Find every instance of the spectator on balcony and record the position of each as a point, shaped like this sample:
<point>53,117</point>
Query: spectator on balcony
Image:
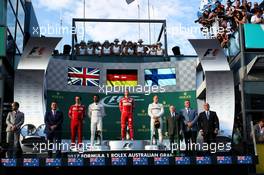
<point>206,19</point>
<point>255,8</point>
<point>106,49</point>
<point>249,6</point>
<point>160,51</point>
<point>140,50</point>
<point>223,39</point>
<point>257,17</point>
<point>123,47</point>
<point>98,49</point>
<point>241,17</point>
<point>77,49</point>
<point>130,49</point>
<point>83,48</point>
<point>220,9</point>
<point>116,48</point>
<point>153,51</point>
<point>90,47</point>
<point>229,9</point>
<point>238,5</point>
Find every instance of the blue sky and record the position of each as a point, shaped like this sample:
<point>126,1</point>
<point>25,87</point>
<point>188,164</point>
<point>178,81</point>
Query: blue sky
<point>180,16</point>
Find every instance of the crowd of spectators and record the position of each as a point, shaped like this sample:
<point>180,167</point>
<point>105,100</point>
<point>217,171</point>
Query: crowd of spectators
<point>117,48</point>
<point>228,17</point>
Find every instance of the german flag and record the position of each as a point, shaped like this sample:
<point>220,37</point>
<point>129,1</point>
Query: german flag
<point>122,77</point>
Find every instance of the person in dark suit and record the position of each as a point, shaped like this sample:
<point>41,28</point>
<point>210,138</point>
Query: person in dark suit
<point>190,118</point>
<point>208,124</point>
<point>53,122</point>
<point>174,126</point>
<point>259,131</point>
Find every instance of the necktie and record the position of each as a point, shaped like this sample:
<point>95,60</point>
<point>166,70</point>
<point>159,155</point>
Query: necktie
<point>207,115</point>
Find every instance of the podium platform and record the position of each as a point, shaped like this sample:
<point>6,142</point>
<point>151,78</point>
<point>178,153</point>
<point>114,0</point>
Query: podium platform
<point>117,145</point>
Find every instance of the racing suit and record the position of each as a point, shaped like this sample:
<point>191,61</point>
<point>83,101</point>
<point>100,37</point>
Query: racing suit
<point>96,113</point>
<point>126,106</point>
<point>155,111</point>
<point>76,114</point>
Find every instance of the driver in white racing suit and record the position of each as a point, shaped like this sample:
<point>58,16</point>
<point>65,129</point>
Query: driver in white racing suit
<point>155,111</point>
<point>96,112</point>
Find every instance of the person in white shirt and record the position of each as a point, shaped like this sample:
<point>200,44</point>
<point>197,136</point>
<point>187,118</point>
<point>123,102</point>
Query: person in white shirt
<point>106,49</point>
<point>98,49</point>
<point>83,49</point>
<point>256,18</point>
<point>140,49</point>
<point>155,111</point>
<point>116,48</point>
<point>159,51</point>
<point>153,51</point>
<point>96,112</point>
<point>90,48</point>
<point>130,49</point>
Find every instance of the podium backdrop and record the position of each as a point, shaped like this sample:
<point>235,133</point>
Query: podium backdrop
<point>111,122</point>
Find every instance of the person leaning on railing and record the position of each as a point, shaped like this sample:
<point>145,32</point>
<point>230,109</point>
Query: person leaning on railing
<point>257,17</point>
<point>116,48</point>
<point>90,47</point>
<point>83,48</point>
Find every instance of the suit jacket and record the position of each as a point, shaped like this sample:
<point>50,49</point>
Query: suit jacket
<point>174,124</point>
<point>208,126</point>
<point>51,119</point>
<point>189,117</point>
<point>258,134</point>
<point>14,118</point>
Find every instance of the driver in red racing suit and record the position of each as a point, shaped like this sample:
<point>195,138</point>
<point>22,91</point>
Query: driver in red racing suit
<point>126,106</point>
<point>76,114</point>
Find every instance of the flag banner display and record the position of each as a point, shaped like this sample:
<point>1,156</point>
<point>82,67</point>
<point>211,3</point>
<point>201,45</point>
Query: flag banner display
<point>75,162</point>
<point>224,159</point>
<point>182,160</point>
<point>9,162</point>
<point>203,160</point>
<point>57,75</point>
<point>97,161</point>
<point>140,161</point>
<point>83,76</point>
<point>53,162</point>
<point>31,162</point>
<point>122,78</point>
<point>160,77</point>
<point>119,161</point>
<point>111,122</point>
<point>244,160</point>
<point>161,160</point>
